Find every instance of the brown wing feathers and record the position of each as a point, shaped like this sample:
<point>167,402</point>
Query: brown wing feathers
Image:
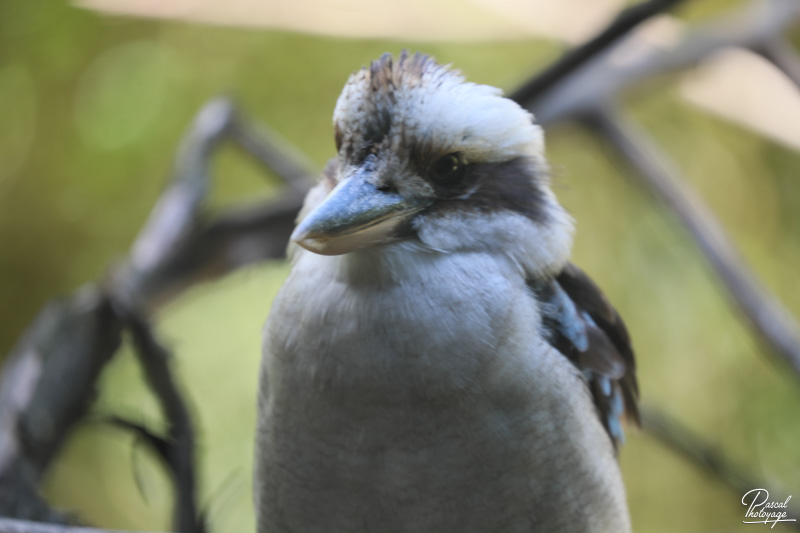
<point>584,326</point>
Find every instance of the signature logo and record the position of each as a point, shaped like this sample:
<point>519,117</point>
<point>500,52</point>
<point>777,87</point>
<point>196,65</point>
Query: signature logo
<point>760,510</point>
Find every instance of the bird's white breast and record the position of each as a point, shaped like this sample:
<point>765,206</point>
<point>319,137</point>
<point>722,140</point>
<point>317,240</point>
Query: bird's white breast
<point>420,396</point>
<point>422,323</point>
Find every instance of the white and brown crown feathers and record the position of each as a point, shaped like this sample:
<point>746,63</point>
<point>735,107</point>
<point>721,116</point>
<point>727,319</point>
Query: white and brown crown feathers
<point>415,103</point>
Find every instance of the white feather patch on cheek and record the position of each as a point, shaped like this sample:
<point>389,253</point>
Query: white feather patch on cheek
<point>537,248</point>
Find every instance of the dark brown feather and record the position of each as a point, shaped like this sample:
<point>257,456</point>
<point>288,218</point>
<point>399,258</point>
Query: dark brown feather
<point>583,326</point>
<point>513,185</point>
<point>588,296</point>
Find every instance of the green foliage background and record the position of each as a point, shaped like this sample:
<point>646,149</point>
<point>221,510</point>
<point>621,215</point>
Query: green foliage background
<point>91,111</point>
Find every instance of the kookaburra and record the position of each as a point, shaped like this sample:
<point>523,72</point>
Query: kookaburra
<point>433,363</point>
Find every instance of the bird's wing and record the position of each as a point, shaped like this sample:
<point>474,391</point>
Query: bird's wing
<point>582,325</point>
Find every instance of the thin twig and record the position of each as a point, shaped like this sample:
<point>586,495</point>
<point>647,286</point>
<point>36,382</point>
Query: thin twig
<point>680,439</point>
<point>180,454</point>
<point>654,171</point>
<point>692,447</point>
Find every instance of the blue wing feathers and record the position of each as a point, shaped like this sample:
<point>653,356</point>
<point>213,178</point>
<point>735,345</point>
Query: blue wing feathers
<point>583,326</point>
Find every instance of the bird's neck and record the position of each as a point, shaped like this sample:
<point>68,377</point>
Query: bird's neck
<point>384,266</point>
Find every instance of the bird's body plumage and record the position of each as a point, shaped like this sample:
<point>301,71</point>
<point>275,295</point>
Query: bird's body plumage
<point>433,377</point>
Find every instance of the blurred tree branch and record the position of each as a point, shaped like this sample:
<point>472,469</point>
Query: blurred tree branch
<point>178,446</point>
<point>595,84</point>
<point>181,246</point>
<point>656,173</point>
<point>177,248</point>
<point>691,447</point>
<point>587,93</point>
<point>8,525</point>
<point>578,57</point>
<point>75,337</point>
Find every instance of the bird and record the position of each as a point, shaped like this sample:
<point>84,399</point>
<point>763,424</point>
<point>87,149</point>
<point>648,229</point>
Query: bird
<point>434,362</point>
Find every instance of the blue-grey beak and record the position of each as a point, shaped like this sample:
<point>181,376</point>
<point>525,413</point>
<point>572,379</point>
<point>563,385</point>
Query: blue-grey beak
<point>355,215</point>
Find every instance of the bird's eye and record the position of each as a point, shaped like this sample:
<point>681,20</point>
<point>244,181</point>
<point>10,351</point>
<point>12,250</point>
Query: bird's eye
<point>448,168</point>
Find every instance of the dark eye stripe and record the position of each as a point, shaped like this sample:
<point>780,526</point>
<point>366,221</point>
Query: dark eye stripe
<point>508,186</point>
<point>337,137</point>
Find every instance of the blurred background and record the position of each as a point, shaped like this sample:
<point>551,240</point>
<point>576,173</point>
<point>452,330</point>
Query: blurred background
<point>93,102</point>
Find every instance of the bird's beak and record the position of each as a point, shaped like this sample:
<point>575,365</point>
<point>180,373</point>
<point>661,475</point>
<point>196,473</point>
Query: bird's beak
<point>355,215</point>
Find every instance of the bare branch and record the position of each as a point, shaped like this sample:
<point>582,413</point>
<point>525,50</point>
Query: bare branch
<point>235,239</point>
<point>694,449</point>
<point>580,56</point>
<point>274,153</point>
<point>74,337</point>
<point>8,525</point>
<point>598,82</point>
<point>680,439</point>
<point>655,172</point>
<point>180,451</point>
<point>179,246</point>
<point>586,93</point>
<point>178,210</point>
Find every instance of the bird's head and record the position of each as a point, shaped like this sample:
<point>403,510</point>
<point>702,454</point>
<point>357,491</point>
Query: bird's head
<point>424,155</point>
